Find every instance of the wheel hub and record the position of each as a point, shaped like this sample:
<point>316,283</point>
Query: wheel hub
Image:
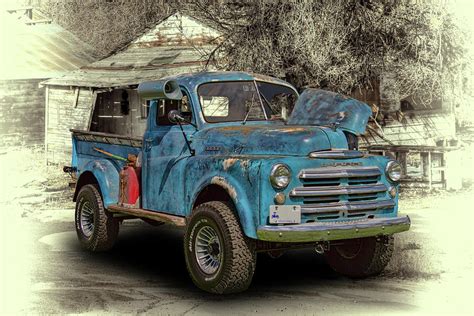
<point>87,219</point>
<point>208,250</point>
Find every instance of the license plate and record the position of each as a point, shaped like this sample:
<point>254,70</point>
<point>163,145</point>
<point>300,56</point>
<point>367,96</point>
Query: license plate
<point>285,214</point>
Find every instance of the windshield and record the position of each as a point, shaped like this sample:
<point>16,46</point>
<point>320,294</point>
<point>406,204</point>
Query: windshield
<point>245,101</point>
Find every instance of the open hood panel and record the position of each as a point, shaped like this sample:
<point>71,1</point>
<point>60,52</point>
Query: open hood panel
<point>326,108</point>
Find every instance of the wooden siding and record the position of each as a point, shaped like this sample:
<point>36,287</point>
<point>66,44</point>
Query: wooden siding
<point>417,128</point>
<point>178,44</point>
<point>21,112</point>
<point>176,30</point>
<point>65,110</point>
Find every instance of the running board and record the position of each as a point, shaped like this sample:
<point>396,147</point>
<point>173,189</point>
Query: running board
<point>157,216</point>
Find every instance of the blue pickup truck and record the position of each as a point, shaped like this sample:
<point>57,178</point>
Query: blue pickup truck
<point>244,164</point>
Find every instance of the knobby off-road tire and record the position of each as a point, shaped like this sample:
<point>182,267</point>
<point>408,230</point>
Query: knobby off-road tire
<point>96,228</point>
<point>360,258</point>
<point>215,224</point>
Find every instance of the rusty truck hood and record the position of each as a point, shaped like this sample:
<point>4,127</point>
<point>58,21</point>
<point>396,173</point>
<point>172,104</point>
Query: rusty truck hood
<point>325,108</point>
<point>266,139</point>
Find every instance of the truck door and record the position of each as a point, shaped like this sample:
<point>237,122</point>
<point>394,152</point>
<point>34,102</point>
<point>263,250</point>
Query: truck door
<point>164,156</point>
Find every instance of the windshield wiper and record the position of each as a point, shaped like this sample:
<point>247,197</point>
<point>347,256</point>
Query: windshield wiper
<point>271,108</point>
<point>248,111</point>
<point>251,104</point>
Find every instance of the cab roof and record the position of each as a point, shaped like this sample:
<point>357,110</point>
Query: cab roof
<point>193,80</point>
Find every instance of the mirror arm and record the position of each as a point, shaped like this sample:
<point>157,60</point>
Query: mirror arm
<point>191,151</point>
<point>190,123</point>
<point>175,117</point>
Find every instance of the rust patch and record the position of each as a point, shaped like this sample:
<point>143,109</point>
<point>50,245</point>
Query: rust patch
<point>244,130</point>
<point>288,130</point>
<point>229,162</point>
<point>223,183</point>
<point>244,164</point>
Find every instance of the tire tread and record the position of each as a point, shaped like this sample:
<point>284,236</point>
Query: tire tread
<point>105,228</point>
<point>237,275</point>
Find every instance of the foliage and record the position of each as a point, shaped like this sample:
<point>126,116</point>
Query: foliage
<point>340,45</point>
<point>106,24</point>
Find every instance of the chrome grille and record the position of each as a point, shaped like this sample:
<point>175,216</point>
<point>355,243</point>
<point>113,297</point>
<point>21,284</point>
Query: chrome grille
<point>337,172</point>
<point>333,192</point>
<point>337,190</point>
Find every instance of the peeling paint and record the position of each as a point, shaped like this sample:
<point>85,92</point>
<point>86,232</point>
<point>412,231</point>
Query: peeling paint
<point>228,163</point>
<point>244,164</point>
<point>289,129</point>
<point>243,130</point>
<point>223,183</point>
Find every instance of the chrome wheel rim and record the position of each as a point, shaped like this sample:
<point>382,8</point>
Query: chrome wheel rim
<point>208,250</point>
<point>87,219</point>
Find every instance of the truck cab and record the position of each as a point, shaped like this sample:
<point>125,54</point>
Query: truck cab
<point>244,164</point>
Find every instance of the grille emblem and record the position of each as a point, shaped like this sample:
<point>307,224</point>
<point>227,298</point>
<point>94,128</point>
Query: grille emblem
<point>342,164</point>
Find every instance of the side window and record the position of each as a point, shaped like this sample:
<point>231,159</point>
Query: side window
<point>164,106</point>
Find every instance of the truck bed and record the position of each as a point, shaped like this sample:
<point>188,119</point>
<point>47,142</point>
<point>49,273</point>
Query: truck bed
<point>106,138</point>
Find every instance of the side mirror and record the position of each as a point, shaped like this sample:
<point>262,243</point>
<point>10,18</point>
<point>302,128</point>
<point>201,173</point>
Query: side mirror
<point>174,116</point>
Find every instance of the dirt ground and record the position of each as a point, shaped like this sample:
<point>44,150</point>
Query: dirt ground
<point>43,270</point>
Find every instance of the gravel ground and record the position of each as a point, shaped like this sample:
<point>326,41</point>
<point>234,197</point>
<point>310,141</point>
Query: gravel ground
<point>44,271</point>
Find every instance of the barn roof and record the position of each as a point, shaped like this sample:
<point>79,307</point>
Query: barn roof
<point>37,48</point>
<point>175,45</point>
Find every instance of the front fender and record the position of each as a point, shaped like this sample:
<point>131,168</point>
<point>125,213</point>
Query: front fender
<point>108,178</point>
<point>248,216</point>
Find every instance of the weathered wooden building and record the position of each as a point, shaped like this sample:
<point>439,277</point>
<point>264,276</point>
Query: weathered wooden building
<point>418,135</point>
<point>32,49</point>
<point>102,96</point>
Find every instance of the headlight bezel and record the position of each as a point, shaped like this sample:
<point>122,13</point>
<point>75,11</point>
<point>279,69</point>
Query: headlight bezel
<point>389,169</point>
<point>272,178</point>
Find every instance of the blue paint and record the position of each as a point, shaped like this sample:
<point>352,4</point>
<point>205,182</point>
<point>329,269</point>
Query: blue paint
<point>236,157</point>
<point>325,108</point>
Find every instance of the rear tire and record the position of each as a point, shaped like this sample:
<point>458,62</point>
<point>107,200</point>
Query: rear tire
<point>219,258</point>
<point>96,228</point>
<point>362,257</point>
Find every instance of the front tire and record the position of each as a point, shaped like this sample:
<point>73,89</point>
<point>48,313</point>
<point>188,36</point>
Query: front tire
<point>219,258</point>
<point>362,257</point>
<point>96,228</point>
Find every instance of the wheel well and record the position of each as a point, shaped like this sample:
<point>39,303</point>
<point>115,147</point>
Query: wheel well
<point>213,192</point>
<point>84,179</point>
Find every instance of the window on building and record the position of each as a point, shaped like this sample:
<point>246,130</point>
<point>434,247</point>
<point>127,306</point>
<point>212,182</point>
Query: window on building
<point>144,109</point>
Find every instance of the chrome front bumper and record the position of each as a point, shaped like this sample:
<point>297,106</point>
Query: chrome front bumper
<point>325,231</point>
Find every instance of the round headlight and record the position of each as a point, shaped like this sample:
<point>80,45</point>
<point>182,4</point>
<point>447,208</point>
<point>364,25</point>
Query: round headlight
<point>280,176</point>
<point>393,171</point>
